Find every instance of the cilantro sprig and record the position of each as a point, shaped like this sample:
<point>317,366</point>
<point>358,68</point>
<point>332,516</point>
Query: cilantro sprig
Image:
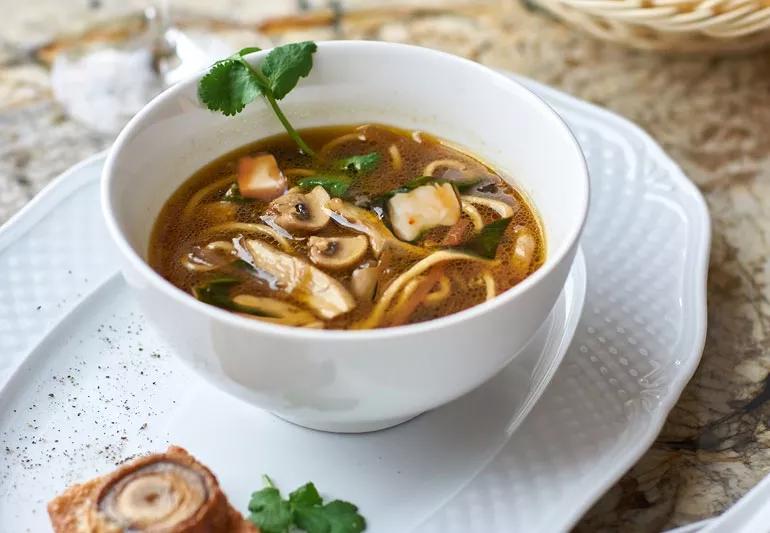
<point>304,509</point>
<point>233,83</point>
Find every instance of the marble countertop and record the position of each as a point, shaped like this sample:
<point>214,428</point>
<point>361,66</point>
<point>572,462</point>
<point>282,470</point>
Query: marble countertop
<point>710,114</point>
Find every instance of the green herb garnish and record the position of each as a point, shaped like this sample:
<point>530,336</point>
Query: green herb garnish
<point>217,292</point>
<point>359,164</point>
<point>485,243</point>
<point>233,194</point>
<point>304,509</point>
<point>335,184</point>
<point>232,83</point>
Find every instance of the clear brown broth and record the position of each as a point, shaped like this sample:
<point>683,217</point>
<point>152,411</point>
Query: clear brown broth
<point>175,235</point>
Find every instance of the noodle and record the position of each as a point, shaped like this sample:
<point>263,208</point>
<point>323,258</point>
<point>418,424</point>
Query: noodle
<point>417,136</point>
<point>222,246</point>
<point>247,227</point>
<point>440,294</point>
<point>449,163</point>
<point>473,214</point>
<point>489,281</point>
<point>395,157</point>
<point>408,291</point>
<point>408,305</point>
<point>198,197</point>
<point>331,145</point>
<point>501,208</point>
<point>418,268</point>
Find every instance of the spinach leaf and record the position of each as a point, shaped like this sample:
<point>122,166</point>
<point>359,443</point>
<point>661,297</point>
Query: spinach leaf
<point>335,184</point>
<point>485,243</point>
<point>359,164</point>
<point>217,293</point>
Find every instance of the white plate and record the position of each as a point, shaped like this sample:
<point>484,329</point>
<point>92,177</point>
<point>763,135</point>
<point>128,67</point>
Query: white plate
<point>638,342</point>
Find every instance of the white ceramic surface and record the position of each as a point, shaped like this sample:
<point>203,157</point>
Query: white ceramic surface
<point>601,411</point>
<point>353,381</point>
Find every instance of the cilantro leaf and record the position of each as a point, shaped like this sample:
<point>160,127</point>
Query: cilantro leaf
<point>233,83</point>
<point>269,511</point>
<point>285,65</point>
<point>248,50</point>
<point>335,185</point>
<point>334,517</point>
<point>304,510</point>
<point>228,87</point>
<point>359,164</point>
<point>344,518</point>
<point>311,519</point>
<point>306,495</point>
<point>486,242</point>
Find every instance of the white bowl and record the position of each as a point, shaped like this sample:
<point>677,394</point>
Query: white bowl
<point>353,380</point>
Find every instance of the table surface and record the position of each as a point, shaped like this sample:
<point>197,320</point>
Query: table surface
<point>711,115</point>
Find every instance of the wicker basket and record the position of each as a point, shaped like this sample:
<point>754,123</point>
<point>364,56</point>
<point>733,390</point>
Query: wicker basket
<point>713,26</point>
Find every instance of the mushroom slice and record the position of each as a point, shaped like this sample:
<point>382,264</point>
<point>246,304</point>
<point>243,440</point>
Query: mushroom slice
<point>307,284</point>
<point>364,221</point>
<point>423,208</point>
<point>259,177</point>
<point>337,253</point>
<point>304,212</point>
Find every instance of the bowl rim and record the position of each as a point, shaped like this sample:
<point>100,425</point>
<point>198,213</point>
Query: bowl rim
<point>159,283</point>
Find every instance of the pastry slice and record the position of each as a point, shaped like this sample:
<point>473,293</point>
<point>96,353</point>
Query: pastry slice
<point>161,493</point>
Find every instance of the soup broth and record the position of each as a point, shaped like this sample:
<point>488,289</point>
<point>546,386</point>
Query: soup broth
<point>383,227</point>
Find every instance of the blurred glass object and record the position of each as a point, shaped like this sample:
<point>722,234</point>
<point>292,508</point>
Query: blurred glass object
<point>104,84</point>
